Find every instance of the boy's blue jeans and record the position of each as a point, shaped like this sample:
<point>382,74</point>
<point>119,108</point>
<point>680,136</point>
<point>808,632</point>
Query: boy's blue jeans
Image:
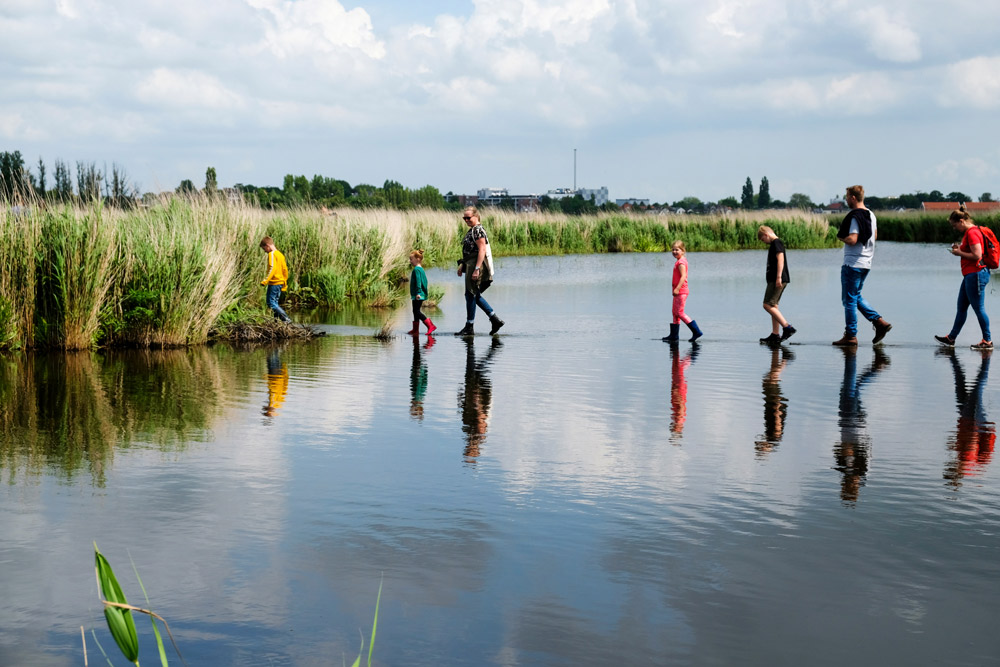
<point>273,294</point>
<point>851,282</point>
<point>972,293</point>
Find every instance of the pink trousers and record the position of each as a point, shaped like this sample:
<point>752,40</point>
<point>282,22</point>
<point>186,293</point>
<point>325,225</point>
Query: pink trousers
<point>678,310</point>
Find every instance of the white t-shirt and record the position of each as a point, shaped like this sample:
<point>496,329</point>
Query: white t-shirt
<point>859,256</point>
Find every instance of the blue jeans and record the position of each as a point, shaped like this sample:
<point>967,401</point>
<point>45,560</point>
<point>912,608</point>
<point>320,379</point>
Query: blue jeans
<point>851,282</point>
<point>972,293</point>
<point>473,300</point>
<point>273,294</point>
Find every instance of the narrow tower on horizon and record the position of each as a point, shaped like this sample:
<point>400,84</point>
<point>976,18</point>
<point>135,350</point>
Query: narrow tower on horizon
<point>574,170</point>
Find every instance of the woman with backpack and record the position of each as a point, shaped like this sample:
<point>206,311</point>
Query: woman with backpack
<point>975,276</point>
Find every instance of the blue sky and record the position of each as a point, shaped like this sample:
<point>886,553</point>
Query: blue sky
<point>662,99</point>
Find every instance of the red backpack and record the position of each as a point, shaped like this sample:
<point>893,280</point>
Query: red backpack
<point>991,248</point>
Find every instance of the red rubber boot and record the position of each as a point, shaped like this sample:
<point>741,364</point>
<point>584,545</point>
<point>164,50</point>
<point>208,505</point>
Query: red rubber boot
<point>430,326</point>
<point>415,330</point>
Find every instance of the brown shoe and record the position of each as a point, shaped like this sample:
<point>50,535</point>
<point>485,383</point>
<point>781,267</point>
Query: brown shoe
<point>881,329</point>
<point>847,341</point>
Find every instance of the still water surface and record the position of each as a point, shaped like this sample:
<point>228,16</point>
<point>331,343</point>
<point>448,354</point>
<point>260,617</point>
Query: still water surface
<point>573,492</point>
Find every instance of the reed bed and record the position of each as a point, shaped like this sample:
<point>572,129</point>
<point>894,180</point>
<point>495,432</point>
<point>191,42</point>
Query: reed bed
<point>189,268</point>
<point>921,227</point>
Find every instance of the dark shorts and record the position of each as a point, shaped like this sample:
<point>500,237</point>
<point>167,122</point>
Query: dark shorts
<point>772,295</point>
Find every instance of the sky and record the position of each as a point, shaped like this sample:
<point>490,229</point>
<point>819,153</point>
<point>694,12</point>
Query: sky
<point>660,99</point>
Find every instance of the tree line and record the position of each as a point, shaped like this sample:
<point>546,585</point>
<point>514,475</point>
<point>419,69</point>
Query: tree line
<point>20,184</point>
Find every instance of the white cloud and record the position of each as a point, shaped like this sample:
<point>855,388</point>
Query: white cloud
<point>974,82</point>
<point>317,26</point>
<point>890,38</point>
<point>14,127</point>
<point>187,90</point>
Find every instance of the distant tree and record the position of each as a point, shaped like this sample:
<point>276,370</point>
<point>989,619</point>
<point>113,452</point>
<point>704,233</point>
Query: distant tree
<point>41,178</point>
<point>64,182</point>
<point>186,187</point>
<point>875,203</point>
<point>777,203</point>
<point>958,196</point>
<point>690,204</point>
<point>729,202</point>
<point>746,199</point>
<point>609,207</point>
<point>88,181</point>
<point>764,196</point>
<point>986,196</point>
<point>909,201</point>
<point>14,181</point>
<point>211,182</point>
<point>799,200</point>
<point>935,196</point>
<point>119,191</point>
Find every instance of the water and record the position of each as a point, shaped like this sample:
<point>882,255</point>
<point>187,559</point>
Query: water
<point>573,492</point>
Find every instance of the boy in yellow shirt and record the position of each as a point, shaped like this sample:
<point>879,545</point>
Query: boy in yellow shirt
<point>277,277</point>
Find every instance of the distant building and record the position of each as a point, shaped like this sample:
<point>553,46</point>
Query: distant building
<point>621,203</point>
<point>501,196</point>
<point>970,206</point>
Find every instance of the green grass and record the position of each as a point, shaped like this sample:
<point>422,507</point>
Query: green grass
<point>186,270</point>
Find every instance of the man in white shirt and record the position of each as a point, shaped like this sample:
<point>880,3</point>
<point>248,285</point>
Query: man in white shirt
<point>858,231</point>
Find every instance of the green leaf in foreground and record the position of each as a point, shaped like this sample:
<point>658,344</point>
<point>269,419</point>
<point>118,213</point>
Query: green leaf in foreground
<point>120,621</point>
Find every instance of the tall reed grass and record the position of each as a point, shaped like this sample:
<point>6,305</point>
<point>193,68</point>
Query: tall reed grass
<point>165,276</point>
<point>921,227</point>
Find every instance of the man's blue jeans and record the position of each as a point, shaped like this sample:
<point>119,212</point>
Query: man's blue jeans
<point>972,293</point>
<point>851,282</point>
<point>273,294</point>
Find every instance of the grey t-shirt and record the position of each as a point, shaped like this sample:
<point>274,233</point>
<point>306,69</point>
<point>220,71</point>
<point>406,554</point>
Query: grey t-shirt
<point>859,256</point>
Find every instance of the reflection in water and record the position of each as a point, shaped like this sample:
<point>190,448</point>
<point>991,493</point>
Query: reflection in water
<point>70,411</point>
<point>475,398</point>
<point>775,405</point>
<point>851,453</point>
<point>418,378</point>
<point>277,384</point>
<point>678,389</point>
<point>974,437</point>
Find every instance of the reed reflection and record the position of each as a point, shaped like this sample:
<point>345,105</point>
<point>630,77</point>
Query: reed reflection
<point>852,452</point>
<point>678,389</point>
<point>775,405</point>
<point>277,384</point>
<point>69,412</point>
<point>475,398</point>
<point>418,378</point>
<point>974,436</point>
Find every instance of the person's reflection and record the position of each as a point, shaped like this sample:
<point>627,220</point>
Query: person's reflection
<point>475,398</point>
<point>418,378</point>
<point>678,389</point>
<point>974,437</point>
<point>775,405</point>
<point>277,384</point>
<point>851,453</point>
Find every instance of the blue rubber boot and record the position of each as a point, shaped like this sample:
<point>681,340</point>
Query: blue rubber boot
<point>675,330</point>
<point>696,332</point>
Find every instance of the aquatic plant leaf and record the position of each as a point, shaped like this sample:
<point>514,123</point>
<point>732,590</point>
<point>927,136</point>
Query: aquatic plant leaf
<point>152,619</point>
<point>371,642</point>
<point>120,621</point>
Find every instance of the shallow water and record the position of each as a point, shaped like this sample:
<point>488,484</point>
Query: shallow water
<point>573,492</point>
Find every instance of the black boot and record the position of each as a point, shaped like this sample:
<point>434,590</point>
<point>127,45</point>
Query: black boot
<point>675,332</point>
<point>497,323</point>
<point>696,332</point>
<point>466,330</point>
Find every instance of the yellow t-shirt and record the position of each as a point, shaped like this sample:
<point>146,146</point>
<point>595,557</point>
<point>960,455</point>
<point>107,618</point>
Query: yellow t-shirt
<point>277,270</point>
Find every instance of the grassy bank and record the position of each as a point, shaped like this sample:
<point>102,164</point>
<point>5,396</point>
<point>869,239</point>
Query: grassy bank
<point>919,227</point>
<point>185,270</point>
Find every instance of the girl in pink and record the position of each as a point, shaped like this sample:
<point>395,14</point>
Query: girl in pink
<point>680,283</point>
